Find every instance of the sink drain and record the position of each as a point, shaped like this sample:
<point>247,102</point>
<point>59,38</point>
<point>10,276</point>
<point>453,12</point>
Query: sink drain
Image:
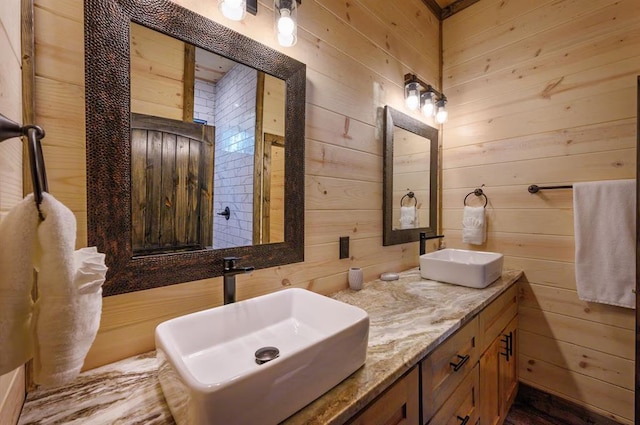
<point>266,354</point>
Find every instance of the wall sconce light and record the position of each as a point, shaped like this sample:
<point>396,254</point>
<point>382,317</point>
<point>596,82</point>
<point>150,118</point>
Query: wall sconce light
<point>418,94</point>
<point>285,16</point>
<point>234,10</point>
<point>286,22</point>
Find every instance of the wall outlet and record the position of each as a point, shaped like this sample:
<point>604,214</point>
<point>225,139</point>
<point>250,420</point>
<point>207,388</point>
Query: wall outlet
<point>344,247</point>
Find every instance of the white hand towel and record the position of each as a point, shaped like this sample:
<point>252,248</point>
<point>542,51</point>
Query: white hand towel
<point>67,312</point>
<point>17,245</point>
<point>474,225</point>
<point>407,217</point>
<point>605,237</point>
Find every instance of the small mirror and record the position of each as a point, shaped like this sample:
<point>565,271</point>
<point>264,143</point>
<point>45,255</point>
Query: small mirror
<point>410,178</point>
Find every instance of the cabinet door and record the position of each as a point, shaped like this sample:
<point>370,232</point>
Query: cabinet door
<point>399,405</point>
<point>508,367</point>
<point>498,376</point>
<point>490,406</point>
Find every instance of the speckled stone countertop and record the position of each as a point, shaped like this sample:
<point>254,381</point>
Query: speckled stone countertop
<point>409,318</point>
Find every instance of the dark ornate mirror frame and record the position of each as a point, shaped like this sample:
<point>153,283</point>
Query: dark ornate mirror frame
<point>395,118</point>
<point>107,80</point>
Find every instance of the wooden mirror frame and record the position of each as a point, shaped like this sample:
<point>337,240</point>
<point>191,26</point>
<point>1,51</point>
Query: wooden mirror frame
<point>107,64</point>
<point>395,118</point>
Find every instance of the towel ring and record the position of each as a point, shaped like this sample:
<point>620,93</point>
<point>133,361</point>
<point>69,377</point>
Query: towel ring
<point>411,195</point>
<point>477,192</point>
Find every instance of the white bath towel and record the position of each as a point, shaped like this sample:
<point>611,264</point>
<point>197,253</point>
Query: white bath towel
<point>605,237</point>
<point>17,245</point>
<point>407,217</point>
<point>67,312</point>
<point>474,225</point>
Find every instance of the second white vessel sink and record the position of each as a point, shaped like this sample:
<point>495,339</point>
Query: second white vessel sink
<point>475,269</point>
<point>212,369</point>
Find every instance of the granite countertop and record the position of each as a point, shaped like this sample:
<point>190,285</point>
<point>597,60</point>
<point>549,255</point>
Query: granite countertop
<point>409,317</point>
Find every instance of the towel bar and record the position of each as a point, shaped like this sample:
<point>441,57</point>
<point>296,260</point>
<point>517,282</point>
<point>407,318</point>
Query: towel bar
<point>10,129</point>
<point>535,188</point>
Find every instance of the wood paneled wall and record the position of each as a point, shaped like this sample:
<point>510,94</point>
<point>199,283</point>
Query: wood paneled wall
<point>356,55</point>
<point>545,92</point>
<point>12,385</point>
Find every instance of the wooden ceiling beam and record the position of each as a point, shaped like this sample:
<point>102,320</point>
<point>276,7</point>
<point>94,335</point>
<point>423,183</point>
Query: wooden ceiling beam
<point>453,8</point>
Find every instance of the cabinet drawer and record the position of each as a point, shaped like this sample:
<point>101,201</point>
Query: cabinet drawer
<point>462,407</point>
<point>447,366</point>
<point>397,406</point>
<point>496,316</point>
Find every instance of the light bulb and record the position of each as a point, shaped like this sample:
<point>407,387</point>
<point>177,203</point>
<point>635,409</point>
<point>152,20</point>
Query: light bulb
<point>412,95</point>
<point>286,25</point>
<point>234,10</point>
<point>441,115</point>
<point>286,40</point>
<point>428,108</point>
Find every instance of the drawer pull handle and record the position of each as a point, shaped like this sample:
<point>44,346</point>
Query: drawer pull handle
<point>464,420</point>
<point>462,360</point>
<point>508,342</point>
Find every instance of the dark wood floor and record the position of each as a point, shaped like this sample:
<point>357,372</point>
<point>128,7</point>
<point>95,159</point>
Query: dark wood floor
<point>535,407</point>
<point>524,415</point>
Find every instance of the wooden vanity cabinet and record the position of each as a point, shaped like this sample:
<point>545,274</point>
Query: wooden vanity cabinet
<point>399,405</point>
<point>469,379</point>
<point>498,363</point>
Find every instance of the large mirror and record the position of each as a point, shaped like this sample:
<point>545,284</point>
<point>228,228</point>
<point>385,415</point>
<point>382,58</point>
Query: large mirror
<point>410,178</point>
<point>191,130</point>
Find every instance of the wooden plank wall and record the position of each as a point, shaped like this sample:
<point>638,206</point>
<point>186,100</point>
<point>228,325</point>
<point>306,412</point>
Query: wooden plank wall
<point>356,55</point>
<point>545,92</point>
<point>12,384</point>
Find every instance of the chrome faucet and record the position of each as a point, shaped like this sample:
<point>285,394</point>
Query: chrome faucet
<point>229,276</point>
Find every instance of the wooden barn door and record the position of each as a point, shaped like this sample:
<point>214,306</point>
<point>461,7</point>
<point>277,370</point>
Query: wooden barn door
<point>172,185</point>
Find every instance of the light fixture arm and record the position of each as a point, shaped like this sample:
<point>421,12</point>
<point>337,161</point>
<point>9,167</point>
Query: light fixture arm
<point>252,6</point>
<point>412,78</point>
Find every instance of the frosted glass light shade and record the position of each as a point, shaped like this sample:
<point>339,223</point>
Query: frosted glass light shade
<point>234,10</point>
<point>412,96</point>
<point>286,22</point>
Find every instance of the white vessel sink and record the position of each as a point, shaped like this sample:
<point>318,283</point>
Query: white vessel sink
<point>475,269</point>
<point>209,373</point>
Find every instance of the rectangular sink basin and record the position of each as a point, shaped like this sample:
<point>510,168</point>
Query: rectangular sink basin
<point>475,269</point>
<point>208,369</point>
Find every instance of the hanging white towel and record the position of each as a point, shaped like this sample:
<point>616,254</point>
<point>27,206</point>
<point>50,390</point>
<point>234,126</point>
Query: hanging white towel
<point>17,245</point>
<point>605,237</point>
<point>67,312</point>
<point>474,225</point>
<point>407,217</point>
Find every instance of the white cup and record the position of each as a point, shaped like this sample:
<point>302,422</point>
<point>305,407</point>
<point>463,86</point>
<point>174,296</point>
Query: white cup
<point>355,278</point>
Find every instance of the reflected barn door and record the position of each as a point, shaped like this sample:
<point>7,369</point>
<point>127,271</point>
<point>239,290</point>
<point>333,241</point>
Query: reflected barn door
<point>172,185</point>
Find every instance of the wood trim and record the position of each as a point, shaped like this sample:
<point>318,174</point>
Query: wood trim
<point>189,82</point>
<point>443,13</point>
<point>13,399</point>
<point>455,7</point>
<point>257,162</point>
<point>27,42</point>
<point>433,7</point>
<point>637,391</point>
<point>555,409</point>
<point>28,81</point>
